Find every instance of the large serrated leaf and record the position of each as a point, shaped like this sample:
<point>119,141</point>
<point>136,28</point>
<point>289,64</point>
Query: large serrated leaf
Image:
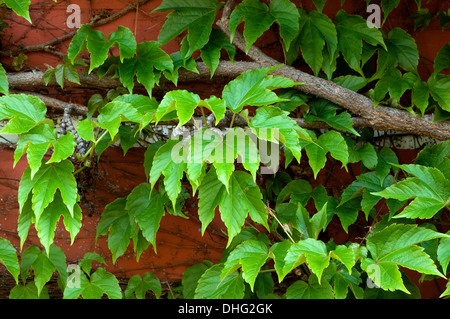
<point>394,246</point>
<point>429,188</point>
<point>44,184</point>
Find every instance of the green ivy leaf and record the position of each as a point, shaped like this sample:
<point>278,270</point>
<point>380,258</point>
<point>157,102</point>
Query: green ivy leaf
<point>43,270</point>
<point>116,219</point>
<point>443,253</point>
<point>62,72</point>
<point>312,289</point>
<point>259,17</point>
<point>147,65</point>
<point>114,113</point>
<point>8,258</point>
<point>196,16</point>
<point>124,39</point>
<point>351,31</point>
<point>254,88</point>
<point>190,279</point>
<point>323,110</point>
<point>139,285</point>
<point>100,283</point>
<point>436,155</point>
<point>287,16</point>
<point>440,91</point>
<point>331,142</point>
<point>20,7</point>
<point>23,112</point>
<point>94,40</point>
<point>4,84</point>
<point>316,30</point>
<point>28,291</point>
<point>429,188</point>
<point>251,255</point>
<point>298,191</point>
<point>242,198</point>
<point>36,143</point>
<point>313,251</point>
<point>46,225</point>
<point>442,60</point>
<point>212,286</point>
<point>181,101</point>
<point>366,185</point>
<point>257,20</point>
<point>44,184</point>
<point>388,6</point>
<point>215,105</point>
<point>162,158</point>
<point>278,253</point>
<point>270,121</point>
<point>147,208</point>
<point>345,255</point>
<point>401,50</point>
<point>210,53</point>
<point>396,245</point>
<point>210,194</point>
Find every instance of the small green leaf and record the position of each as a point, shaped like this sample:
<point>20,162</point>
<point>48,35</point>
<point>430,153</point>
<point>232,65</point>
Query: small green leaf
<point>190,279</point>
<point>139,285</point>
<point>46,181</point>
<point>147,208</point>
<point>8,258</point>
<point>313,251</point>
<point>4,84</point>
<point>23,112</point>
<point>124,39</point>
<point>210,53</point>
<point>443,253</point>
<point>396,245</point>
<point>251,256</point>
<point>254,88</point>
<point>345,255</point>
<point>181,101</point>
<point>440,91</point>
<point>116,219</point>
<point>316,31</point>
<point>20,7</point>
<point>114,113</point>
<point>29,291</point>
<point>351,31</point>
<point>212,286</point>
<point>257,20</point>
<point>196,16</point>
<point>102,282</point>
<point>311,290</point>
<point>442,60</point>
<point>429,188</point>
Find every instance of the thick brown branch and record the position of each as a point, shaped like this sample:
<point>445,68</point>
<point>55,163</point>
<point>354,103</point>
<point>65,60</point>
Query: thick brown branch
<point>380,118</point>
<point>45,46</point>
